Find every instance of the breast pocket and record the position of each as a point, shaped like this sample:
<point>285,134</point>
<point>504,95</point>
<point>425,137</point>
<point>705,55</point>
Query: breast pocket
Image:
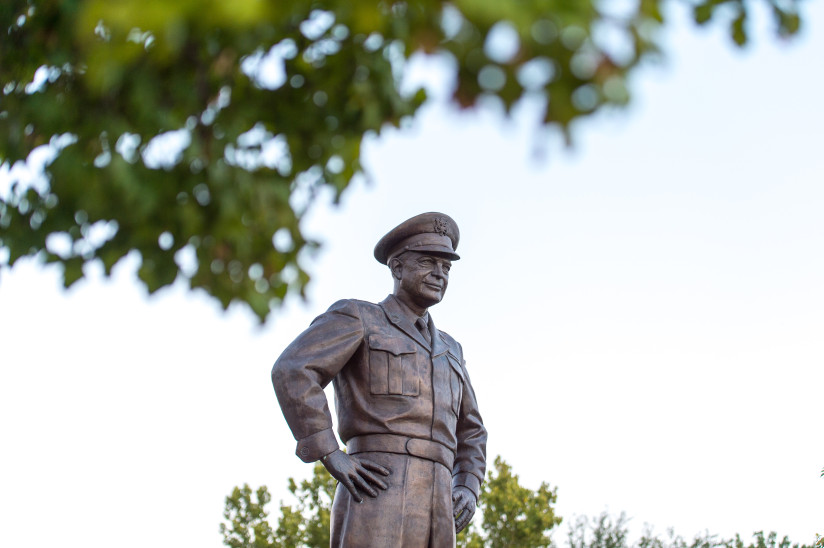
<point>393,366</point>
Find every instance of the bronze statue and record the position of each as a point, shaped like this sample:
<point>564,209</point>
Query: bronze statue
<point>415,441</point>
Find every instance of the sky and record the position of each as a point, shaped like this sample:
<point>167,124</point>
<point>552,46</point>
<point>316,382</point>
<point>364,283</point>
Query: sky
<point>641,317</point>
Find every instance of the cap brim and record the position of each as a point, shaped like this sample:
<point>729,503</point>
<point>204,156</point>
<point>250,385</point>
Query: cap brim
<point>438,250</point>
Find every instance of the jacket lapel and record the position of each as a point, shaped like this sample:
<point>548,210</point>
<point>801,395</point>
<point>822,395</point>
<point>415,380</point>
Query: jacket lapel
<point>392,309</point>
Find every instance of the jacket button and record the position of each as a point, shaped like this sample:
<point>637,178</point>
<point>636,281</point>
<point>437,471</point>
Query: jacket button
<point>304,451</point>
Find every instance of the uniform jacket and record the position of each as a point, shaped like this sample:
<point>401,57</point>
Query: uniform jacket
<point>387,380</point>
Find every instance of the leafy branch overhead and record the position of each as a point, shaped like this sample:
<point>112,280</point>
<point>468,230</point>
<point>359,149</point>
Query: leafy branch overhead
<point>199,133</point>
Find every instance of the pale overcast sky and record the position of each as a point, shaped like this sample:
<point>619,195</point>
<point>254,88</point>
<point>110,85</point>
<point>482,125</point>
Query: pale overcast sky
<point>641,316</point>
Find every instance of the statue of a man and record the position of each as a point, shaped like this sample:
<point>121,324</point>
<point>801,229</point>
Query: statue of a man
<point>415,441</point>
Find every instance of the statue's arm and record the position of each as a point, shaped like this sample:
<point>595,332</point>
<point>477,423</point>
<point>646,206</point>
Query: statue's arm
<point>470,460</point>
<point>306,367</point>
<point>299,376</point>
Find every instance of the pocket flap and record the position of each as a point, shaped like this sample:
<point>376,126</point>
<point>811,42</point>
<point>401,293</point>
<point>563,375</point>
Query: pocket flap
<point>393,345</point>
<point>456,365</point>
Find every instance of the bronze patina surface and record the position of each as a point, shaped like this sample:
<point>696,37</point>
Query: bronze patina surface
<point>415,441</point>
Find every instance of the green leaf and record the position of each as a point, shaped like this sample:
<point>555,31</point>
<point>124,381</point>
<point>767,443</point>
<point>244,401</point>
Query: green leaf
<point>702,13</point>
<point>72,271</point>
<point>737,29</point>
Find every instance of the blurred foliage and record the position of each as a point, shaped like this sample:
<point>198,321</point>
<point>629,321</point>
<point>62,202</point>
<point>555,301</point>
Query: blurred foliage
<point>248,525</point>
<point>607,532</point>
<point>303,526</point>
<point>511,514</point>
<point>760,540</point>
<point>508,515</point>
<point>307,524</point>
<point>198,133</point>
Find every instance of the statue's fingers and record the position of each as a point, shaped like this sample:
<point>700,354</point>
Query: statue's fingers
<point>351,488</point>
<point>459,507</point>
<point>463,520</point>
<point>361,484</point>
<point>459,524</point>
<point>372,478</point>
<point>375,467</point>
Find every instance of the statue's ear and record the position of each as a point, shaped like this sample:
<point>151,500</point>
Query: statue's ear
<point>395,266</point>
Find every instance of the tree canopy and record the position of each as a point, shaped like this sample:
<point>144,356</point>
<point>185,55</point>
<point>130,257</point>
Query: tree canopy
<point>512,514</point>
<point>198,134</point>
<point>305,525</point>
<point>509,514</point>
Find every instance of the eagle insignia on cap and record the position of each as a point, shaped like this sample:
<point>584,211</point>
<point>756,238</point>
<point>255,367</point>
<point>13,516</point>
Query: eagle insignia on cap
<point>441,226</point>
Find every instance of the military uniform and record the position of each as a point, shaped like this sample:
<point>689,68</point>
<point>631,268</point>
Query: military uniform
<point>403,400</point>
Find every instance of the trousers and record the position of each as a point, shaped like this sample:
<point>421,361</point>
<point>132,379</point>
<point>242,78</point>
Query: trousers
<point>415,511</point>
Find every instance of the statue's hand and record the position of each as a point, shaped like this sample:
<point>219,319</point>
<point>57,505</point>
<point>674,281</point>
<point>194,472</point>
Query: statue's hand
<point>355,473</point>
<point>463,506</point>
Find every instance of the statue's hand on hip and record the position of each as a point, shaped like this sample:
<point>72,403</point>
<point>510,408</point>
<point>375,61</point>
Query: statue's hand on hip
<point>463,506</point>
<point>358,475</point>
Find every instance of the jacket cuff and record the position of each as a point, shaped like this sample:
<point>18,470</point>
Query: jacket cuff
<point>313,447</point>
<point>470,481</point>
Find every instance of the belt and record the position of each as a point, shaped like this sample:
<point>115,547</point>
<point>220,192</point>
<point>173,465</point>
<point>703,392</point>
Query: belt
<point>403,445</point>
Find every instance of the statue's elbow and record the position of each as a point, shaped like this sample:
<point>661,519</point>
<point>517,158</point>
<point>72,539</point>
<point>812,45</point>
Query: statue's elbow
<point>279,374</point>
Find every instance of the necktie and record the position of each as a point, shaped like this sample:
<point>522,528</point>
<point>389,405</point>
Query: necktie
<point>423,327</point>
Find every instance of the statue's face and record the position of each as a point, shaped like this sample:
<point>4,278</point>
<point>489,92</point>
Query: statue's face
<point>422,278</point>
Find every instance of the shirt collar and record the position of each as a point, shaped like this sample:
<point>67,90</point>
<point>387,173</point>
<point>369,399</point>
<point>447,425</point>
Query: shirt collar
<point>408,314</point>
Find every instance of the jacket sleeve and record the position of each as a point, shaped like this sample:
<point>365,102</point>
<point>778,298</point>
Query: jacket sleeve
<point>306,367</point>
<point>470,459</point>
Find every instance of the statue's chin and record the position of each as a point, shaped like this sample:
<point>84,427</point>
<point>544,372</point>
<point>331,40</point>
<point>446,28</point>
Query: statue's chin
<point>427,301</point>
